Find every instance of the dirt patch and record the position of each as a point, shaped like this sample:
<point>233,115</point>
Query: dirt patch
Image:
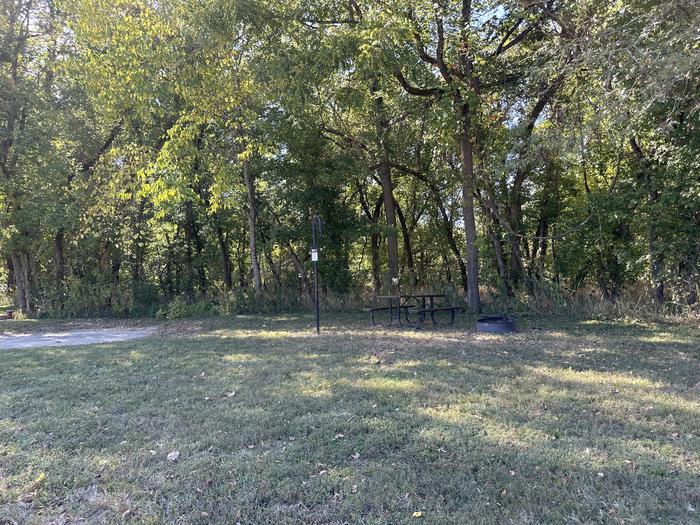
<point>73,337</point>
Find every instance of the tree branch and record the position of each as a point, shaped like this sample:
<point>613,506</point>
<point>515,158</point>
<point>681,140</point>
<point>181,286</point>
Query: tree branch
<point>507,43</point>
<point>422,53</point>
<point>87,164</point>
<point>352,141</point>
<point>440,52</point>
<point>542,102</point>
<point>421,92</point>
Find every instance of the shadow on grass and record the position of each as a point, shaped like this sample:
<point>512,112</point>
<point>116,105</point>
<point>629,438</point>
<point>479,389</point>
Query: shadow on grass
<point>360,425</point>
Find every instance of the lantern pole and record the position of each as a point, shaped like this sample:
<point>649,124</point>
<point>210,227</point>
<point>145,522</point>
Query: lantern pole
<point>316,230</point>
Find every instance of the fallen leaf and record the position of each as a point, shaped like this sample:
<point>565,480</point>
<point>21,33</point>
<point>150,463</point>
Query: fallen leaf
<point>418,514</point>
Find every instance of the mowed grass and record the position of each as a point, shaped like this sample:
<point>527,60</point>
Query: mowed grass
<point>565,422</point>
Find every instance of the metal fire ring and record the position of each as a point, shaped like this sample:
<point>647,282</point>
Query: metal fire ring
<point>496,324</point>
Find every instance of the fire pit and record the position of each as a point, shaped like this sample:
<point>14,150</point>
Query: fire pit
<point>496,324</point>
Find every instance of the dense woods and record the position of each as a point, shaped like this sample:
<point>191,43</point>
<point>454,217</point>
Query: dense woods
<point>168,155</point>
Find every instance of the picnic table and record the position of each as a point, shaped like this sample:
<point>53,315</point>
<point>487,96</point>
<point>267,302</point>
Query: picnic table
<point>420,304</point>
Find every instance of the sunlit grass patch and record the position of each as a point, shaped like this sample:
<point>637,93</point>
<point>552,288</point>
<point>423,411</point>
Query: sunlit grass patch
<point>360,425</point>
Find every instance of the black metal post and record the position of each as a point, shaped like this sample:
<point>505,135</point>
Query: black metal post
<point>316,230</point>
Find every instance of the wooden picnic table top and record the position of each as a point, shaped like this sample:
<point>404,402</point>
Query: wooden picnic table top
<point>410,295</point>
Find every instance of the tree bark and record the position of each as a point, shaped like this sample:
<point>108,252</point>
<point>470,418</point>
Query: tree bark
<point>407,248</point>
<point>466,146</point>
<point>249,180</point>
<point>139,238</point>
<point>225,257</point>
<point>273,268</point>
<point>656,257</point>
<point>22,274</point>
<point>467,171</point>
<point>193,238</point>
<point>447,225</point>
<point>373,217</point>
<point>516,262</point>
<point>391,237</point>
<point>384,169</point>
<point>301,272</point>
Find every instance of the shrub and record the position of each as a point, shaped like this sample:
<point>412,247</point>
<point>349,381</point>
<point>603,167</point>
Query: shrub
<point>180,309</point>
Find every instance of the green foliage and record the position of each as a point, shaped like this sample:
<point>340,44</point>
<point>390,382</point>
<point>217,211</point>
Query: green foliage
<point>180,309</point>
<point>127,126</point>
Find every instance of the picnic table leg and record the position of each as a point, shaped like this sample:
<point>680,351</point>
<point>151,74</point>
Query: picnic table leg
<point>432,314</point>
<point>406,309</point>
<point>405,312</point>
<point>398,310</point>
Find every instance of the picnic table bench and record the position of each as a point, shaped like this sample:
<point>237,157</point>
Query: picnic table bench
<point>421,304</point>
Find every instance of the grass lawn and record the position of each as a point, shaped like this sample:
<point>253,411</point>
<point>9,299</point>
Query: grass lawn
<point>565,422</point>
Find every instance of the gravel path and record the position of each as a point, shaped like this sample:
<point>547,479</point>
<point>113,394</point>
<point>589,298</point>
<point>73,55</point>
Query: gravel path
<point>73,337</point>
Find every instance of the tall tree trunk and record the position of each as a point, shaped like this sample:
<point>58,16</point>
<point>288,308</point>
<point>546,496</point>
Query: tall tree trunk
<point>375,241</point>
<point>516,262</point>
<point>656,257</point>
<point>376,267</point>
<point>10,274</point>
<point>273,268</point>
<point>490,209</point>
<point>467,169</point>
<point>249,180</point>
<point>115,269</point>
<point>407,248</point>
<point>500,259</point>
<point>301,272</point>
<point>391,237</point>
<point>168,284</point>
<point>466,147</point>
<point>447,225</point>
<point>194,262</point>
<point>225,256</point>
<point>139,250</point>
<point>22,274</point>
<point>374,249</point>
<point>382,128</point>
<point>240,255</point>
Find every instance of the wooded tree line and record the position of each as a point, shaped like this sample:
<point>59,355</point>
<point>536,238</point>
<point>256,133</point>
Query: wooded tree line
<point>176,150</point>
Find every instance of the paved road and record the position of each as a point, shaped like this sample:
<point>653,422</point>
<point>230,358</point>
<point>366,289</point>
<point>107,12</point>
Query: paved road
<point>73,337</point>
